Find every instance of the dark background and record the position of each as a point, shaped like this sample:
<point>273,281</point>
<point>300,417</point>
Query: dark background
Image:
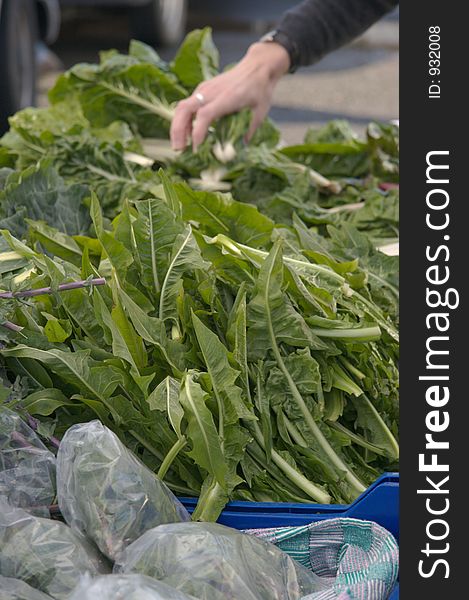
<point>431,125</point>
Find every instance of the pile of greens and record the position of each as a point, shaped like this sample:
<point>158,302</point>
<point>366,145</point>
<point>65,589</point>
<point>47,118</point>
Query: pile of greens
<point>244,343</point>
<point>100,132</point>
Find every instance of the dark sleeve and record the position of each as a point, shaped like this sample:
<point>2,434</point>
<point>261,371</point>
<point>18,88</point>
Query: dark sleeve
<point>316,27</point>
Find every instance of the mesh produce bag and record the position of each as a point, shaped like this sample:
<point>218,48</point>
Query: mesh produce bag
<point>15,589</point>
<point>27,468</point>
<point>46,554</point>
<point>105,492</point>
<point>360,559</point>
<point>125,587</point>
<point>214,562</point>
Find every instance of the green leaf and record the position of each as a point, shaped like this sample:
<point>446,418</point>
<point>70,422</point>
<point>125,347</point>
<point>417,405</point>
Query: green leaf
<point>156,230</point>
<point>57,330</point>
<point>165,398</point>
<point>152,330</point>
<point>45,402</point>
<point>32,370</point>
<point>54,241</point>
<point>125,343</point>
<point>334,403</point>
<point>119,256</point>
<point>76,368</point>
<point>41,194</point>
<point>146,54</point>
<point>220,213</point>
<point>229,269</point>
<point>270,312</point>
<point>76,303</point>
<point>122,88</point>
<point>237,336</point>
<point>197,58</point>
<point>9,260</point>
<point>185,257</point>
<point>231,406</point>
<point>133,342</point>
<point>332,159</point>
<point>206,444</point>
<point>376,430</point>
<point>172,199</point>
<point>305,372</point>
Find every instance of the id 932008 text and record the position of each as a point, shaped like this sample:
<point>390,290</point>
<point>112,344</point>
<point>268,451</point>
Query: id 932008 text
<point>434,62</point>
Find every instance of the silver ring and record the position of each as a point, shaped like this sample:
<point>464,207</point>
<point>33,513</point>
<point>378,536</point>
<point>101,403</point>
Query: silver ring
<point>200,98</point>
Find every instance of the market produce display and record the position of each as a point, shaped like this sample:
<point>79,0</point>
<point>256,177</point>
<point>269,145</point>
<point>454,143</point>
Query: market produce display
<point>227,313</point>
<point>213,562</point>
<point>105,492</point>
<point>43,553</point>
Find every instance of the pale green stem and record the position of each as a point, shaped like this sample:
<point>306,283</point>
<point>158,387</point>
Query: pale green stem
<point>297,478</point>
<point>169,458</point>
<point>363,334</point>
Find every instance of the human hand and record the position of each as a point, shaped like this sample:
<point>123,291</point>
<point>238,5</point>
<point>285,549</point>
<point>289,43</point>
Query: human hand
<point>249,84</point>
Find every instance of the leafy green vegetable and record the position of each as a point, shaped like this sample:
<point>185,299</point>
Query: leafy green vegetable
<point>245,342</point>
<point>197,58</point>
<point>122,88</point>
<point>43,195</point>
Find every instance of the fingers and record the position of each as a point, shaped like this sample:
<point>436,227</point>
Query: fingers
<point>181,124</point>
<point>193,117</point>
<point>203,119</point>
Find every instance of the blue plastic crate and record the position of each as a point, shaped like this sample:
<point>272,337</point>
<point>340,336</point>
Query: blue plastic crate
<point>379,503</point>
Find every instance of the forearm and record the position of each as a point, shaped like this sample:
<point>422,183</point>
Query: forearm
<point>320,26</point>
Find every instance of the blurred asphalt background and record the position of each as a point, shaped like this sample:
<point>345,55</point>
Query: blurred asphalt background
<point>358,82</point>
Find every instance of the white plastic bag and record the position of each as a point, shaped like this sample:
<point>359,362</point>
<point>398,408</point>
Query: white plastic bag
<point>105,492</point>
<point>15,589</point>
<point>214,562</point>
<point>125,587</point>
<point>27,467</point>
<point>46,554</point>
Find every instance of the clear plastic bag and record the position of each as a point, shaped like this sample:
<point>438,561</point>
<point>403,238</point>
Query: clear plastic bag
<point>105,492</point>
<point>27,467</point>
<point>15,589</point>
<point>126,587</point>
<point>214,562</point>
<point>46,554</point>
